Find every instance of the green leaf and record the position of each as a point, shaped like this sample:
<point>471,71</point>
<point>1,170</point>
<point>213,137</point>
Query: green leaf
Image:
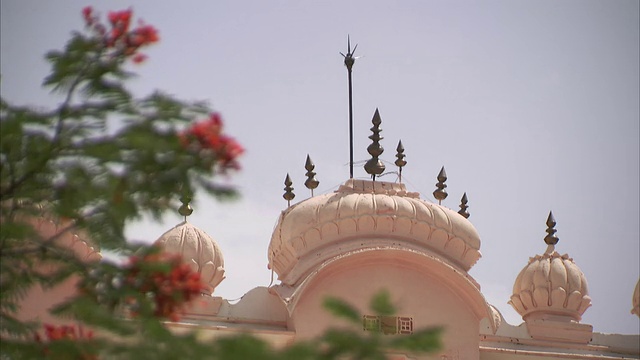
<point>15,327</point>
<point>381,304</point>
<point>15,230</point>
<point>92,314</point>
<point>342,310</point>
<point>243,347</point>
<point>424,340</point>
<point>298,351</point>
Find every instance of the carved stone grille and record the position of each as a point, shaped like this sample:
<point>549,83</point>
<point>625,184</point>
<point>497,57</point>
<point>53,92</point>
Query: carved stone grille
<point>388,325</point>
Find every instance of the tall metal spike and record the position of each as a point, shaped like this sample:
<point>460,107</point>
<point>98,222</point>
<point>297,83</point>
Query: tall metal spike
<point>311,182</point>
<point>374,166</point>
<point>551,238</point>
<point>400,161</point>
<point>349,60</point>
<point>463,206</point>
<point>288,190</point>
<point>440,193</point>
<point>185,209</point>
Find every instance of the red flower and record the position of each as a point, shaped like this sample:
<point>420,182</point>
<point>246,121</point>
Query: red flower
<point>123,42</point>
<point>120,18</point>
<point>138,58</point>
<point>135,40</point>
<point>87,13</point>
<point>207,135</point>
<point>148,33</point>
<point>170,289</point>
<point>66,332</point>
<point>53,332</point>
<point>215,119</point>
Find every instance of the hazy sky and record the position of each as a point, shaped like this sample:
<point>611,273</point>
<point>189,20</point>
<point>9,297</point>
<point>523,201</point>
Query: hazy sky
<point>530,106</point>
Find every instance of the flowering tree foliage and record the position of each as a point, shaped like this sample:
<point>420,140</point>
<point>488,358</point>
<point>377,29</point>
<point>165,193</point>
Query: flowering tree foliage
<point>205,137</point>
<point>55,336</point>
<point>102,158</point>
<point>159,284</point>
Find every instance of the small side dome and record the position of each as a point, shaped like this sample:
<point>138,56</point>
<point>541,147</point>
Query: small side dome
<point>551,284</point>
<point>198,250</point>
<point>636,300</point>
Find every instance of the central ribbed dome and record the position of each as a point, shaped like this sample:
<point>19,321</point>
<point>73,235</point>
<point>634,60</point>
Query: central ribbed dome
<point>365,214</point>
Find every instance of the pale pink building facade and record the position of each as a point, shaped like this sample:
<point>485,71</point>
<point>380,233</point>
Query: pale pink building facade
<point>371,235</point>
<point>368,236</point>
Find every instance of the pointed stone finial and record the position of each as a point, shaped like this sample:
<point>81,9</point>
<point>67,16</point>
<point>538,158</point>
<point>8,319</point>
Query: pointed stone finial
<point>288,194</point>
<point>463,206</point>
<point>551,238</point>
<point>374,166</point>
<point>440,193</point>
<point>311,182</point>
<point>400,161</point>
<point>185,209</point>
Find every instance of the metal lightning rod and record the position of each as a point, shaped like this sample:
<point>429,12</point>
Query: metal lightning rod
<point>349,60</point>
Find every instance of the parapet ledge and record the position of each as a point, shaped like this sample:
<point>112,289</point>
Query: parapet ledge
<point>376,187</point>
<point>204,306</point>
<point>564,331</point>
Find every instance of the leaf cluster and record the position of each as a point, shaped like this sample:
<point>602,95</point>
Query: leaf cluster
<point>78,174</point>
<point>99,160</point>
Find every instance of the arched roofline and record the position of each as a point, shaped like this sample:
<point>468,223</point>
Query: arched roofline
<point>347,246</point>
<point>459,281</point>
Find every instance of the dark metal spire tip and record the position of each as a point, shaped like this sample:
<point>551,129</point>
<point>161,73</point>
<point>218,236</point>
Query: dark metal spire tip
<point>551,238</point>
<point>463,206</point>
<point>440,193</point>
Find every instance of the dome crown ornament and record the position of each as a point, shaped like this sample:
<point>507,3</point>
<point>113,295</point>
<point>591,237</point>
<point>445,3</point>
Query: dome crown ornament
<point>400,161</point>
<point>463,206</point>
<point>551,238</point>
<point>440,193</point>
<point>288,190</point>
<point>311,182</point>
<point>375,166</point>
<point>185,209</point>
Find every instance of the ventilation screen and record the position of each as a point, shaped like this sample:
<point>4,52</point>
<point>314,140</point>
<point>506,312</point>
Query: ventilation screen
<point>388,325</point>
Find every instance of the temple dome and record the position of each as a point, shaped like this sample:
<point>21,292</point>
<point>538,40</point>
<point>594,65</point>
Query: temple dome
<point>364,214</point>
<point>550,286</point>
<point>198,250</point>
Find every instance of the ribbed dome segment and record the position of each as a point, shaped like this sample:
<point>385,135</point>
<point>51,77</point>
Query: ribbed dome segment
<point>359,213</point>
<point>198,250</point>
<point>551,284</point>
<point>636,300</point>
